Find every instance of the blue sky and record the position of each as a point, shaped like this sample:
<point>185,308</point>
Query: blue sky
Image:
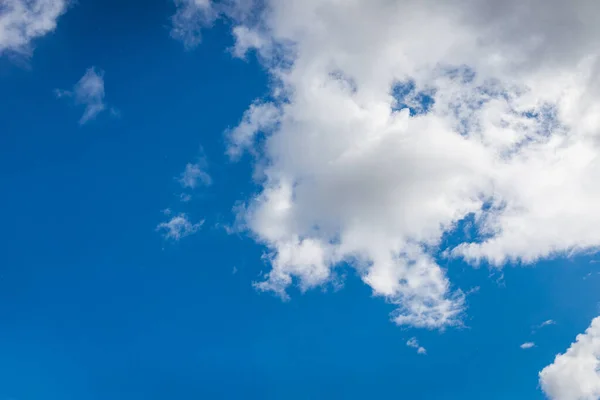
<point>99,300</point>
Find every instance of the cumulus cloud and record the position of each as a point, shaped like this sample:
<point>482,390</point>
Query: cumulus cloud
<point>178,227</point>
<point>88,92</point>
<point>527,345</point>
<point>414,343</point>
<point>390,122</point>
<point>195,174</point>
<point>190,17</point>
<point>22,21</point>
<point>575,375</point>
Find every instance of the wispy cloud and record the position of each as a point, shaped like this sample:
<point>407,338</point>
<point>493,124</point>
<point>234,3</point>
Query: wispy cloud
<point>473,290</point>
<point>190,17</point>
<point>185,197</point>
<point>178,227</point>
<point>195,174</point>
<point>260,117</point>
<point>527,345</point>
<point>89,92</point>
<point>414,343</point>
<point>548,322</point>
<point>22,21</point>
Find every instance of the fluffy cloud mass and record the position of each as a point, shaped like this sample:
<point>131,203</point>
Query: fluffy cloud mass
<point>21,21</point>
<point>389,122</point>
<point>575,375</point>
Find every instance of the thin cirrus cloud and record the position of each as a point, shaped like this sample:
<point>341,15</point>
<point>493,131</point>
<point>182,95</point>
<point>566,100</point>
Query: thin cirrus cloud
<point>178,227</point>
<point>356,168</point>
<point>575,375</point>
<point>22,21</point>
<point>88,92</point>
<point>544,324</point>
<point>548,322</point>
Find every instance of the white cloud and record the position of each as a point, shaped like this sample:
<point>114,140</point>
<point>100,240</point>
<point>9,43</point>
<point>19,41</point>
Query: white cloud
<point>22,21</point>
<point>195,174</point>
<point>543,324</point>
<point>260,117</point>
<point>245,40</point>
<point>473,290</point>
<point>575,375</point>
<point>89,92</point>
<point>512,138</point>
<point>547,322</point>
<point>414,343</point>
<point>190,17</point>
<point>178,227</point>
<point>527,345</point>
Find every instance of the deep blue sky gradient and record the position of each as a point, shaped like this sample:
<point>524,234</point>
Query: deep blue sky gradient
<point>94,304</point>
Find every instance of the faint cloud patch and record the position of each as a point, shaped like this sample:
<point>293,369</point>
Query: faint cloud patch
<point>89,92</point>
<point>473,290</point>
<point>184,197</point>
<point>190,17</point>
<point>414,343</point>
<point>527,345</point>
<point>195,174</point>
<point>114,112</point>
<point>542,325</point>
<point>178,227</point>
<point>547,322</point>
